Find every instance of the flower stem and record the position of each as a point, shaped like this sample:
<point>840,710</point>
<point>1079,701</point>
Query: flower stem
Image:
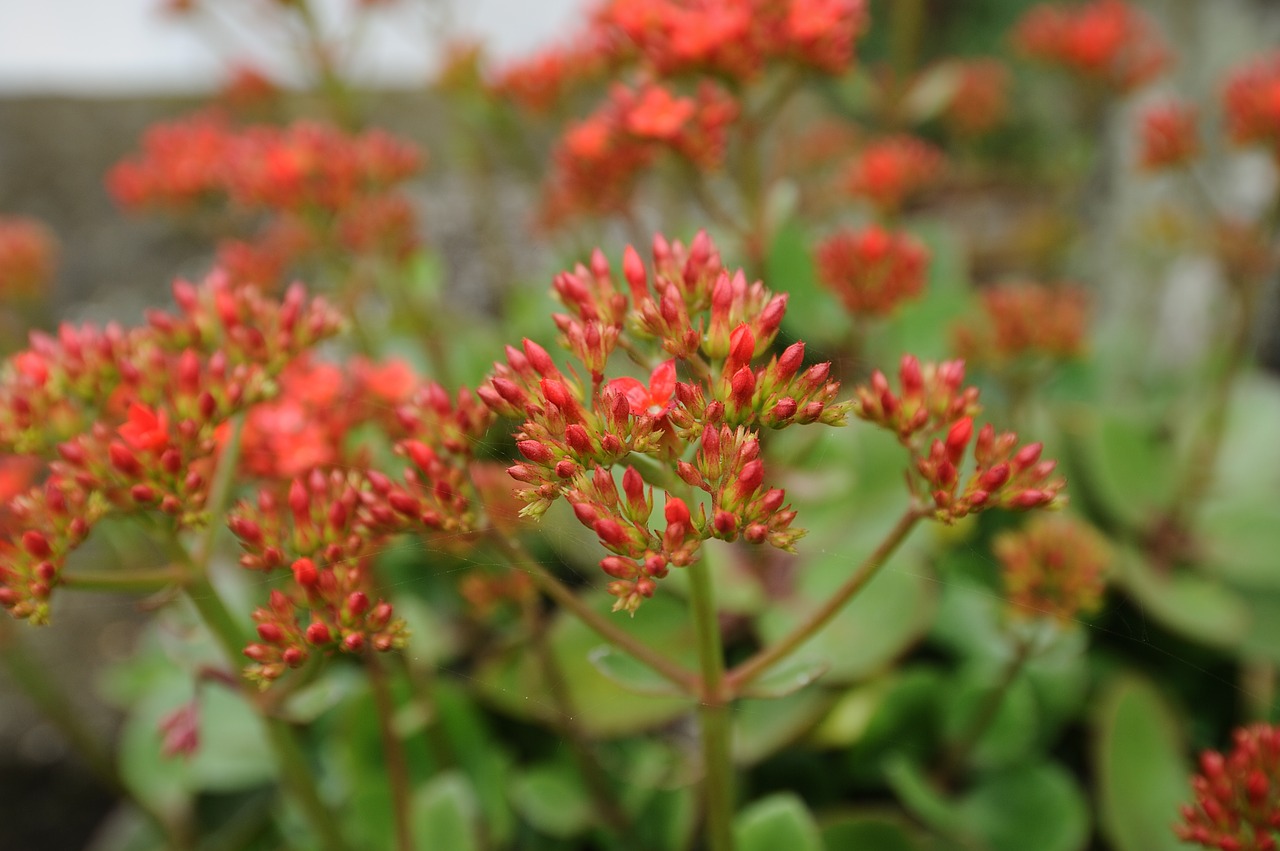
<point>124,581</point>
<point>713,712</point>
<point>392,751</point>
<point>745,673</point>
<point>605,628</point>
<point>56,707</point>
<point>603,797</point>
<point>958,755</point>
<point>288,753</point>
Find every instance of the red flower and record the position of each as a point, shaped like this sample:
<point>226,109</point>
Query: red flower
<point>1170,137</point>
<point>145,428</point>
<point>654,400</point>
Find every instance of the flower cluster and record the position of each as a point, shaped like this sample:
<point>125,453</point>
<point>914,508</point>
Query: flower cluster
<point>889,172</point>
<point>980,100</point>
<point>1170,136</point>
<point>1252,103</point>
<point>709,324</point>
<point>325,525</point>
<point>1052,568</point>
<point>872,270</point>
<point>1025,320</point>
<point>315,186</point>
<point>691,62</point>
<point>1106,41</point>
<point>932,415</point>
<point>132,420</point>
<point>27,254</point>
<point>1237,805</point>
<point>600,157</point>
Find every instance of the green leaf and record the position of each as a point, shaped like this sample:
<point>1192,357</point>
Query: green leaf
<point>477,751</point>
<point>903,722</point>
<point>1241,542</point>
<point>786,678</point>
<point>627,673</point>
<point>870,831</point>
<point>812,313</point>
<point>1187,603</point>
<point>514,681</point>
<point>445,814</point>
<point>762,727</point>
<point>1141,774</point>
<point>1012,732</point>
<point>1032,806</point>
<point>881,623</point>
<point>551,798</point>
<point>774,823</point>
<point>1126,460</point>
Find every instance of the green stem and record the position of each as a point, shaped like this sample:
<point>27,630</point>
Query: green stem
<point>958,755</point>
<point>289,756</point>
<point>123,581</point>
<point>713,711</point>
<point>593,776</point>
<point>671,671</point>
<point>906,28</point>
<point>751,669</point>
<point>392,750</point>
<point>56,707</point>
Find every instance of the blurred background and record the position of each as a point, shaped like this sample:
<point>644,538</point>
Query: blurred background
<point>81,80</point>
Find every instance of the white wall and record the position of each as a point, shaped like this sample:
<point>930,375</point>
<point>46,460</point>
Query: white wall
<point>132,47</point>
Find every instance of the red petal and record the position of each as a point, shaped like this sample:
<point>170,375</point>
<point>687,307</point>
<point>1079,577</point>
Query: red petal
<point>637,394</point>
<point>662,383</point>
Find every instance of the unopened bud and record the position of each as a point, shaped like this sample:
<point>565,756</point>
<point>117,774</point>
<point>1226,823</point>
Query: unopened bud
<point>318,633</point>
<point>305,573</point>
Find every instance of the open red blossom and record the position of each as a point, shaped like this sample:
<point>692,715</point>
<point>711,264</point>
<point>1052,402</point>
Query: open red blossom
<point>658,114</point>
<point>1170,137</point>
<point>1105,40</point>
<point>654,400</point>
<point>145,428</point>
<point>1252,103</point>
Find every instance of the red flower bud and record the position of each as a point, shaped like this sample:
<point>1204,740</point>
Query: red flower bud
<point>357,603</point>
<point>676,511</point>
<point>36,544</point>
<point>742,345</point>
<point>354,642</point>
<point>790,361</point>
<point>304,573</point>
<point>535,451</point>
<point>318,633</point>
<point>958,439</point>
<point>270,633</point>
<point>610,532</point>
<point>123,460</point>
<point>539,359</point>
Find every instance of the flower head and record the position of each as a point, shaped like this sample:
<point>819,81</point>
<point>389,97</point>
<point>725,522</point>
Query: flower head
<point>1237,803</point>
<point>873,270</point>
<point>656,399</point>
<point>1052,568</point>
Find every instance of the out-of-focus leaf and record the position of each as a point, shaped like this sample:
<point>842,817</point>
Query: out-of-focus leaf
<point>786,678</point>
<point>1032,806</point>
<point>777,822</point>
<point>514,680</point>
<point>761,727</point>
<point>1012,732</point>
<point>903,723</point>
<point>551,798</point>
<point>1184,602</point>
<point>479,756</point>
<point>445,814</point>
<point>1241,542</point>
<point>1126,460</point>
<point>629,674</point>
<point>869,831</point>
<point>813,314</point>
<point>889,615</point>
<point>1141,776</point>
